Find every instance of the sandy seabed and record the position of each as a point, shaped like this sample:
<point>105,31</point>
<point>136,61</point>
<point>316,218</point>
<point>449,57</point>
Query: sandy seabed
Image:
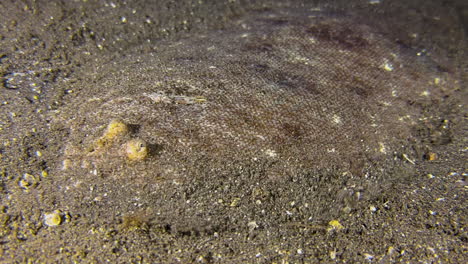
<point>233,131</point>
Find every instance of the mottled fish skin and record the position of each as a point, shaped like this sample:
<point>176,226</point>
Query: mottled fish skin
<point>298,87</point>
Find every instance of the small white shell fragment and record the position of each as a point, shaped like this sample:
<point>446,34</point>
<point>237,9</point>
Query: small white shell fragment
<point>368,257</point>
<point>52,219</point>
